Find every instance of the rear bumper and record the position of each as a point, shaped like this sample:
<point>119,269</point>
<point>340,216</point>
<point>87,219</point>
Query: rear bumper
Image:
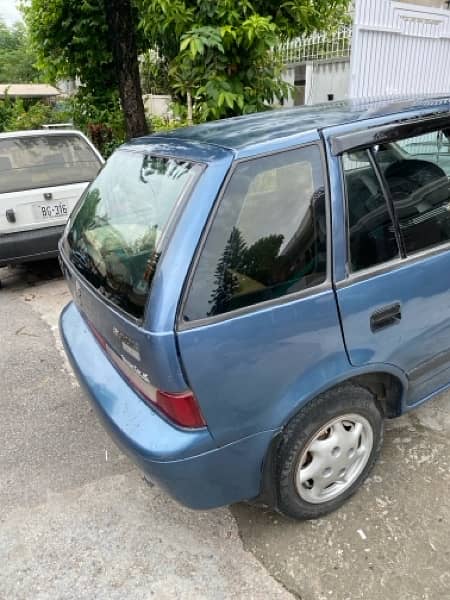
<point>186,463</point>
<point>26,246</point>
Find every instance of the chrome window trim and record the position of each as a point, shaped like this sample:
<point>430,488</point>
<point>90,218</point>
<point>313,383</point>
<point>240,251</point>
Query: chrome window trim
<point>389,201</point>
<point>389,205</point>
<point>326,285</point>
<point>392,265</point>
<point>320,288</point>
<point>365,138</point>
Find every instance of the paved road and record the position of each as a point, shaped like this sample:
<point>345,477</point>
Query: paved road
<point>77,520</point>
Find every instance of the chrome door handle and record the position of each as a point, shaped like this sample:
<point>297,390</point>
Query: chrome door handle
<point>385,317</point>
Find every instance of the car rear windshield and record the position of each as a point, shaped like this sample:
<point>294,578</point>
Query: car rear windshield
<point>115,238</point>
<point>48,160</point>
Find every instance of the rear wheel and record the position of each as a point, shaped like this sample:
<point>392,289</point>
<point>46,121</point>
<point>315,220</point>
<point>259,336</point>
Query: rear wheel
<point>327,451</point>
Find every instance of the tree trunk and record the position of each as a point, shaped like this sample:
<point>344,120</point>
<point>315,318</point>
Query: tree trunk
<point>122,32</point>
<point>189,107</point>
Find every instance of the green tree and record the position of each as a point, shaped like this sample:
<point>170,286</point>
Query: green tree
<point>226,281</point>
<point>261,258</point>
<point>17,59</point>
<point>95,41</point>
<point>220,54</point>
<point>257,262</point>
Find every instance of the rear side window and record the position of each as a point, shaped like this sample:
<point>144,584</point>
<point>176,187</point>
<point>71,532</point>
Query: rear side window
<point>434,146</point>
<point>418,181</point>
<point>268,238</point>
<point>416,174</point>
<point>114,239</point>
<point>371,231</point>
<point>44,161</point>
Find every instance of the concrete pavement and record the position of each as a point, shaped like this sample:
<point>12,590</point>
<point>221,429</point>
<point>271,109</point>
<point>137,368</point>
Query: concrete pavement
<point>77,520</point>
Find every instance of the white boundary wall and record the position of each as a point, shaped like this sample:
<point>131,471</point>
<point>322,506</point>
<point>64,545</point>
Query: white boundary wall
<point>325,78</point>
<point>399,48</point>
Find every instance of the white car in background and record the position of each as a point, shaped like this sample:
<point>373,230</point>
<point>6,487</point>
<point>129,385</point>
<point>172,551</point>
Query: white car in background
<point>42,175</point>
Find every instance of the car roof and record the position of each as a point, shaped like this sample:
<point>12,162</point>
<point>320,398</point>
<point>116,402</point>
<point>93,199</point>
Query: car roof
<point>256,129</point>
<point>34,132</point>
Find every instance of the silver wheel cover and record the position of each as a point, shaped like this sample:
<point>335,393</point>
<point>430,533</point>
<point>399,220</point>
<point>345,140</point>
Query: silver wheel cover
<point>334,458</point>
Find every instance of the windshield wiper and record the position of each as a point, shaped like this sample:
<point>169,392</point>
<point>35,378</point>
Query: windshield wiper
<point>84,263</point>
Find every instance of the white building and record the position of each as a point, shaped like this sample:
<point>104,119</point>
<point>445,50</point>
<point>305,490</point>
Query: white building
<point>318,66</point>
<point>394,47</point>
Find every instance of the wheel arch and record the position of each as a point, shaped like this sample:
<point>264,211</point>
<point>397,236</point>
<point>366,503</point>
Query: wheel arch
<point>387,383</point>
<point>388,389</point>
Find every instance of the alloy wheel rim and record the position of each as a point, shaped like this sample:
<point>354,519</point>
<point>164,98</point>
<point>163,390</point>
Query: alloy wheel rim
<point>334,458</point>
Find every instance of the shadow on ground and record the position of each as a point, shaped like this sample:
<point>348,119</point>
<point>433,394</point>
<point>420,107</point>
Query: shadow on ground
<point>29,274</point>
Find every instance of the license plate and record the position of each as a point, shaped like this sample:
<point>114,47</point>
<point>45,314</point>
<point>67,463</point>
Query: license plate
<point>51,210</point>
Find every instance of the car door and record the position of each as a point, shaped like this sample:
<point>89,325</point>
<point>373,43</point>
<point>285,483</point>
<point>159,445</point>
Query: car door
<point>259,328</point>
<point>395,298</point>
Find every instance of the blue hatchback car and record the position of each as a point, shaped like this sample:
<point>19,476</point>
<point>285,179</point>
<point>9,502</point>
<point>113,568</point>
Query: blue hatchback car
<point>253,297</point>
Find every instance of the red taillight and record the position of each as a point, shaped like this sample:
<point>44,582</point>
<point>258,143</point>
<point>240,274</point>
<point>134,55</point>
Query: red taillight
<point>182,409</point>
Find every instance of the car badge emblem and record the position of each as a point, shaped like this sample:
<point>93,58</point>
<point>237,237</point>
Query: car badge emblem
<point>48,195</point>
<point>128,345</point>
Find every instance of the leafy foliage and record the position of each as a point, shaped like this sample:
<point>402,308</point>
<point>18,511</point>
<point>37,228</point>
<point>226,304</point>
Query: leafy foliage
<point>71,40</point>
<point>220,55</point>
<point>76,39</point>
<point>100,117</point>
<point>18,114</point>
<point>17,60</point>
<point>217,59</point>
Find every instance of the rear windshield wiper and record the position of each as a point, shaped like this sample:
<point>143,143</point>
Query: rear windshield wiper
<point>84,263</point>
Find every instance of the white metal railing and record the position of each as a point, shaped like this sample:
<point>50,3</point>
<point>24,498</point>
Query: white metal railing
<point>318,46</point>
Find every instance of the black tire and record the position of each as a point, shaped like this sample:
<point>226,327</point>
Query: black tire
<point>309,421</point>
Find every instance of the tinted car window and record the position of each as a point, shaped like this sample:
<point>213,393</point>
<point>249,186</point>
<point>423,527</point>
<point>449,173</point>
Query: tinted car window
<point>371,231</point>
<point>48,160</point>
<point>268,238</point>
<point>434,146</point>
<point>419,186</point>
<point>115,237</point>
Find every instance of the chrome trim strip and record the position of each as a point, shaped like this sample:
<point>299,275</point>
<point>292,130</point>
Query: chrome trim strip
<point>389,201</point>
<point>361,139</point>
<point>392,265</point>
<point>429,366</point>
<point>254,308</point>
